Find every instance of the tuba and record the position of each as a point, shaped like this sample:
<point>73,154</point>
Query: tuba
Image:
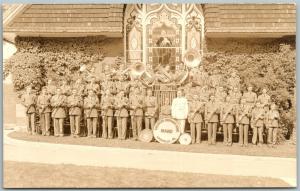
<point>192,58</point>
<point>138,71</point>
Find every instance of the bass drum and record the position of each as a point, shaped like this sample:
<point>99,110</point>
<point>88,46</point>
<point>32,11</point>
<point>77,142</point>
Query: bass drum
<point>185,139</point>
<point>166,131</point>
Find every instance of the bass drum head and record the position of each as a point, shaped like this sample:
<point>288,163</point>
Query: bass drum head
<point>185,139</point>
<point>166,131</point>
<point>146,135</point>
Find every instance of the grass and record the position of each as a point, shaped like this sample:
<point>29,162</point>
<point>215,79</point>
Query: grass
<point>35,175</point>
<point>284,150</point>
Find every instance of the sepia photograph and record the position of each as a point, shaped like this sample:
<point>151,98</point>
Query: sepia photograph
<point>149,95</point>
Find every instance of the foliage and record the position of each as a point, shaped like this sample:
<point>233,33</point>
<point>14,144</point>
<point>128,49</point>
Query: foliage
<point>37,59</point>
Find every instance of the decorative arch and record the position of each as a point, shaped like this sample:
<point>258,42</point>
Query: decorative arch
<point>148,24</point>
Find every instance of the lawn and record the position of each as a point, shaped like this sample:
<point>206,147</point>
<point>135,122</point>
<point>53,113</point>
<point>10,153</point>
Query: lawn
<point>35,175</point>
<point>283,150</point>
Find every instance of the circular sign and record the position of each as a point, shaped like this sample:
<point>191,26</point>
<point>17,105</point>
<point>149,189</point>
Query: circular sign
<point>185,139</point>
<point>166,131</point>
<point>146,135</point>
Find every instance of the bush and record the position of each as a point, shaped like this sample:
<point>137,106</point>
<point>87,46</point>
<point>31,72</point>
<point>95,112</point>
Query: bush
<point>38,59</point>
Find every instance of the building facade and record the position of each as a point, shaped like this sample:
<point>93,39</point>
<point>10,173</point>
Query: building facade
<point>152,33</point>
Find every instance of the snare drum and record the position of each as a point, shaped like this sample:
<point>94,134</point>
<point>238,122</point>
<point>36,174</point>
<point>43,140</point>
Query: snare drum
<point>146,135</point>
<point>185,139</point>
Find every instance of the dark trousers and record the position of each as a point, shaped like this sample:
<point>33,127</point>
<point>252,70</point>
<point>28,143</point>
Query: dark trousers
<point>212,132</point>
<point>243,134</point>
<point>31,123</point>
<point>196,132</point>
<point>107,125</point>
<point>58,126</point>
<point>92,126</point>
<point>45,123</point>
<point>75,124</point>
<point>149,121</point>
<point>227,132</point>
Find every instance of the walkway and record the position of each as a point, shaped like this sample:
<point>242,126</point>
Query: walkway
<point>23,151</point>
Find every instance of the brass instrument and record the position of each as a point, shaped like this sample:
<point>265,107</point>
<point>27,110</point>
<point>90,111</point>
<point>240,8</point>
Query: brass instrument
<point>138,71</point>
<point>192,58</point>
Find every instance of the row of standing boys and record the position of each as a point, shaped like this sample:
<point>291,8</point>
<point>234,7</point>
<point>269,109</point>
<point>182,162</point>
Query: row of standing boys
<point>122,100</point>
<point>80,100</point>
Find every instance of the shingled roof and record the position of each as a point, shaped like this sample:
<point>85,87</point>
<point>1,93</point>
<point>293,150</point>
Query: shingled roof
<point>266,20</point>
<point>74,20</point>
<point>65,19</point>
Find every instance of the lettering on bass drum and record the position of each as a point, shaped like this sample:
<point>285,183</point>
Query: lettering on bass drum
<point>166,131</point>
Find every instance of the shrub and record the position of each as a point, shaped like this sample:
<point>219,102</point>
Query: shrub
<point>39,59</point>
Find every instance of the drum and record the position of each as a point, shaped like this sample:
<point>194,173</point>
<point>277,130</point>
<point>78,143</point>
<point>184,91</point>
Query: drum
<point>146,135</point>
<point>185,139</point>
<point>166,131</point>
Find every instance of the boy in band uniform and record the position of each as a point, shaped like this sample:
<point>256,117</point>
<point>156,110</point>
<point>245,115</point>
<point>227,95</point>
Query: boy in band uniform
<point>165,111</point>
<point>195,118</point>
<point>258,117</point>
<point>58,103</point>
<point>235,96</point>
<point>272,124</point>
<point>75,104</point>
<point>91,105</point>
<point>28,99</point>
<point>220,95</point>
<point>151,107</point>
<point>107,105</point>
<point>243,121</point>
<point>137,104</point>
<point>212,119</point>
<point>122,103</point>
<point>250,96</point>
<point>79,86</point>
<point>51,88</point>
<point>227,119</point>
<point>92,86</point>
<point>264,99</point>
<point>65,88</point>
<point>43,103</point>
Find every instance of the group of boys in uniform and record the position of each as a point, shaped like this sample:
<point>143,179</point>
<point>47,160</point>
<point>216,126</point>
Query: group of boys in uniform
<point>233,110</point>
<point>125,102</point>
